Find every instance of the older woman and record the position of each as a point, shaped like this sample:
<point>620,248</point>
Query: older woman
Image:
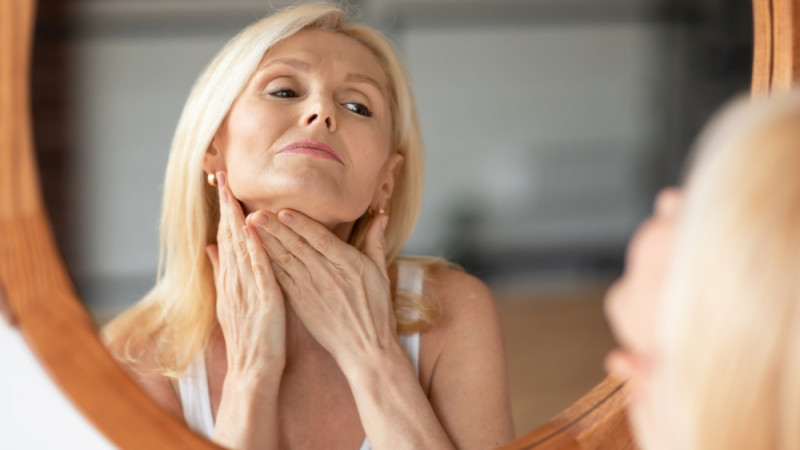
<point>708,310</point>
<point>282,316</point>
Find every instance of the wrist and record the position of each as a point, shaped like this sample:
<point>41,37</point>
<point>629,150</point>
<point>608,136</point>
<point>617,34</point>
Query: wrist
<point>377,365</point>
<point>251,382</point>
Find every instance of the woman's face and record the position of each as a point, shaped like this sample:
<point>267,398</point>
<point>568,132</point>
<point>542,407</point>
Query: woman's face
<point>311,131</point>
<point>631,307</point>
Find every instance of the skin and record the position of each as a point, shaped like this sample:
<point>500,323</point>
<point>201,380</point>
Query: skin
<point>306,354</point>
<point>631,306</point>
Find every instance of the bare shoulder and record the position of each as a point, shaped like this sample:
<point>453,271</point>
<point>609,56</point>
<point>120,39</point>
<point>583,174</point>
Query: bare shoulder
<point>464,299</point>
<point>465,352</point>
<point>140,362</point>
<point>468,317</point>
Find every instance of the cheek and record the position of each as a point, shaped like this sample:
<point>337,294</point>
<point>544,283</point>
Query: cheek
<point>370,158</point>
<point>255,123</point>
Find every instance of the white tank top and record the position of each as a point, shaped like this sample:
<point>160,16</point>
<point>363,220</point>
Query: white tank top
<point>193,387</point>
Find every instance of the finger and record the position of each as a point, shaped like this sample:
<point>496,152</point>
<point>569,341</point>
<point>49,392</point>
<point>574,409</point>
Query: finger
<point>224,231</point>
<point>229,206</point>
<point>286,248</point>
<point>375,242</point>
<point>313,234</point>
<point>260,263</point>
<point>285,265</point>
<point>231,240</point>
<point>213,255</point>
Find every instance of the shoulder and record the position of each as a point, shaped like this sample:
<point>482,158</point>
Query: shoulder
<point>448,284</point>
<point>140,361</point>
<point>465,352</point>
<point>468,321</point>
<point>465,301</point>
<point>456,288</point>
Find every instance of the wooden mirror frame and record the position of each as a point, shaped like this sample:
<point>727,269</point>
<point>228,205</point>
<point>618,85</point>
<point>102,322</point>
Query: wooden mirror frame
<point>38,297</point>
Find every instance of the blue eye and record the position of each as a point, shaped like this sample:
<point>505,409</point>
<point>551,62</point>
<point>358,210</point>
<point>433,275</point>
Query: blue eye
<point>359,109</point>
<point>283,93</point>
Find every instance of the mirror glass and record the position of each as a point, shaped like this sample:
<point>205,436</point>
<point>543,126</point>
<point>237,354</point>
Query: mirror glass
<point>549,127</point>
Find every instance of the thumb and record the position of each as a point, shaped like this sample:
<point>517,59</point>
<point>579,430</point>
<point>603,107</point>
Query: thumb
<point>375,242</point>
<point>213,255</point>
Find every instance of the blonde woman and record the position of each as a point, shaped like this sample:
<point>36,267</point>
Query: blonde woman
<point>282,316</point>
<point>708,310</point>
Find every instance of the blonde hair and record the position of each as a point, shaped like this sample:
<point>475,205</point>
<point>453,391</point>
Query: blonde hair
<point>179,312</point>
<point>730,372</point>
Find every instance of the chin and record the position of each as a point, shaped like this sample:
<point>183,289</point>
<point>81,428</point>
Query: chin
<point>315,208</point>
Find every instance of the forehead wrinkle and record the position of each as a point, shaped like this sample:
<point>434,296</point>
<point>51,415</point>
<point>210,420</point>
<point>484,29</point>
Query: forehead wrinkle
<point>291,62</point>
<point>361,78</point>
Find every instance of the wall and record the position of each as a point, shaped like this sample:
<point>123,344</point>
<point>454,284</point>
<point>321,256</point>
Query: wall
<point>548,127</point>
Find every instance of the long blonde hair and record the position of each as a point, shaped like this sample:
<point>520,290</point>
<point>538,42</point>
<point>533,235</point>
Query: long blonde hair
<point>178,314</point>
<point>730,373</point>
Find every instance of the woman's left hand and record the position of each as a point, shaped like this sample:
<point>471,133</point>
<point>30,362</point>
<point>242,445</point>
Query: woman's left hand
<point>341,295</point>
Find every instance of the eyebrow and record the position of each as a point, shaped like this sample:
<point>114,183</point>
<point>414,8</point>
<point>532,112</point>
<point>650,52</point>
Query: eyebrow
<point>306,67</point>
<point>296,63</point>
<point>361,78</point>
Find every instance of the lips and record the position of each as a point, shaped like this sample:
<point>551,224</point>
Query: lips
<point>311,148</point>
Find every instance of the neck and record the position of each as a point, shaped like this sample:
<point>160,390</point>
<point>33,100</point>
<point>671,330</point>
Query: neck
<point>299,341</point>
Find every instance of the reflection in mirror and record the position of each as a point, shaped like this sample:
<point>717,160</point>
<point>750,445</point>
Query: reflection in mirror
<point>549,126</point>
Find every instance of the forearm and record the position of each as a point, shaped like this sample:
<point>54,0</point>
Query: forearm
<point>394,411</point>
<point>248,412</point>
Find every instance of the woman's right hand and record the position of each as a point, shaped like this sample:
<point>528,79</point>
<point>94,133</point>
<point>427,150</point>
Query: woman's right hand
<point>252,317</point>
<point>250,305</point>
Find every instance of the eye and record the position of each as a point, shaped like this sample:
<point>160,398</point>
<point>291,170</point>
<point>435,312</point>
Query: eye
<point>359,109</point>
<point>283,93</point>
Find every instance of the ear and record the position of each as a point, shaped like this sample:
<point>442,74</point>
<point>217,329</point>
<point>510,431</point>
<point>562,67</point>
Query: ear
<point>213,160</point>
<point>391,170</point>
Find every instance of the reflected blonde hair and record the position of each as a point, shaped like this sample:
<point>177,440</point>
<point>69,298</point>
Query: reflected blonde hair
<point>178,314</point>
<point>730,338</point>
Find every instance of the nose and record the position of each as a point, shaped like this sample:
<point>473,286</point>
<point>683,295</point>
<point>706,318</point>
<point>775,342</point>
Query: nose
<point>321,112</point>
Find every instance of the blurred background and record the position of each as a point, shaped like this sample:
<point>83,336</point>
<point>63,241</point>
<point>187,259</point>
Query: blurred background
<point>549,126</point>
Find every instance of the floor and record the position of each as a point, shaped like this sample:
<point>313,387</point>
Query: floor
<point>556,339</point>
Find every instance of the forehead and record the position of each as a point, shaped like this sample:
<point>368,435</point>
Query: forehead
<point>338,51</point>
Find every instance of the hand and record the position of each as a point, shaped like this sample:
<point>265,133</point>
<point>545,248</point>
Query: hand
<point>250,305</point>
<point>341,295</point>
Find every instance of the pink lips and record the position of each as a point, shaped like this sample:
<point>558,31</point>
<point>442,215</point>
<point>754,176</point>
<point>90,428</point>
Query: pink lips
<point>313,149</point>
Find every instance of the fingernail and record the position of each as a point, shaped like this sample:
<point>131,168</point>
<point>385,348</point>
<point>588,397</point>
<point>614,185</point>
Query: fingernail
<point>286,217</point>
<point>221,179</point>
<point>262,220</point>
<point>384,222</point>
<point>246,231</point>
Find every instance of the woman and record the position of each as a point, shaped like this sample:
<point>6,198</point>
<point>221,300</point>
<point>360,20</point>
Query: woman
<point>282,316</point>
<point>708,310</point>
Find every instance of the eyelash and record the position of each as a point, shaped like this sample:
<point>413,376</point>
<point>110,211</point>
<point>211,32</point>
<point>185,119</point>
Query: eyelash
<point>356,108</point>
<point>360,109</point>
<point>280,93</point>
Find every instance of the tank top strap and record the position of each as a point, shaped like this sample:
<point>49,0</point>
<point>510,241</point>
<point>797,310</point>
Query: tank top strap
<point>410,278</point>
<point>195,398</point>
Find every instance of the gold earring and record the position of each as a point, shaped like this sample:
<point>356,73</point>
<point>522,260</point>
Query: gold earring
<point>211,179</point>
<point>371,211</point>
